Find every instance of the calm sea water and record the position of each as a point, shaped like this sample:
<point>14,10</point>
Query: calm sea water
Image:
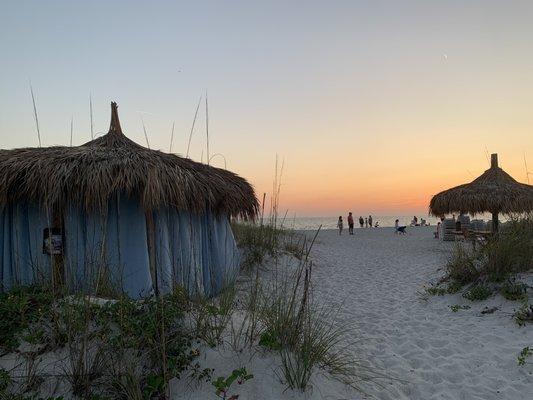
<point>312,223</point>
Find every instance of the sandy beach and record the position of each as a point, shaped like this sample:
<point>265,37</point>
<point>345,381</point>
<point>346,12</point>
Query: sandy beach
<point>440,354</point>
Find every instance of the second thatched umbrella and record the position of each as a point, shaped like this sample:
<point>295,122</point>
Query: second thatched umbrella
<point>495,191</point>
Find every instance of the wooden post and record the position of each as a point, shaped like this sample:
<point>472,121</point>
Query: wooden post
<point>494,160</point>
<point>495,223</point>
<point>150,236</point>
<point>494,164</point>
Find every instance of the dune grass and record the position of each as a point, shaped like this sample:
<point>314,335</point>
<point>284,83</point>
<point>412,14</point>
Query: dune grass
<point>503,256</point>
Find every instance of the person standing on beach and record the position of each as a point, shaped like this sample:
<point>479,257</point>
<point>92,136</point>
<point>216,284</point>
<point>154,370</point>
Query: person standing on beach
<point>361,221</point>
<point>350,223</point>
<point>370,221</point>
<point>339,225</point>
<point>366,222</point>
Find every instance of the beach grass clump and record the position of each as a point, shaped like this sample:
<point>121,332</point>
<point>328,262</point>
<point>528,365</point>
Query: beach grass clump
<point>514,291</point>
<point>261,240</point>
<point>436,291</point>
<point>524,314</point>
<point>457,307</point>
<point>212,316</point>
<point>478,293</point>
<point>305,333</point>
<point>269,235</point>
<point>524,354</point>
<point>5,381</point>
<point>454,287</point>
<point>461,266</point>
<point>511,250</point>
<point>506,253</point>
<point>270,340</point>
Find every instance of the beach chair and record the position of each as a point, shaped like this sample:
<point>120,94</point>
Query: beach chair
<point>448,230</point>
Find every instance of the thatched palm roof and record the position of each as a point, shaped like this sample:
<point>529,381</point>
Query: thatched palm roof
<point>494,191</point>
<point>90,174</point>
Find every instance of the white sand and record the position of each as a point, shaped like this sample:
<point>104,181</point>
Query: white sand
<point>439,353</point>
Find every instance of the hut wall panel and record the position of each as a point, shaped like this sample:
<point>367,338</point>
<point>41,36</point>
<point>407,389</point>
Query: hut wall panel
<point>163,252</point>
<point>111,246</point>
<point>22,261</point>
<point>196,252</point>
<point>133,246</point>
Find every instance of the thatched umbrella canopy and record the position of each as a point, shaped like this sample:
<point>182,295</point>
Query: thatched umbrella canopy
<point>495,191</point>
<point>90,174</point>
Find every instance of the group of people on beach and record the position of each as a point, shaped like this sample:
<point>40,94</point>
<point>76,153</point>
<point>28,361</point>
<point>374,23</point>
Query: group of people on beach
<point>363,222</point>
<point>415,221</point>
<point>368,222</point>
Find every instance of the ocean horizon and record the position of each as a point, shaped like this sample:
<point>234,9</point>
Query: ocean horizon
<point>384,221</point>
<point>330,222</point>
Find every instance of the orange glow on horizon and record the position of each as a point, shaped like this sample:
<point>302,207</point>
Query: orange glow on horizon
<point>404,191</point>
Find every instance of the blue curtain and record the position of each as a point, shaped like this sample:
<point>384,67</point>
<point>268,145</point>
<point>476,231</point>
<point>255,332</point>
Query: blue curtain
<point>196,252</point>
<point>108,248</point>
<point>22,261</point>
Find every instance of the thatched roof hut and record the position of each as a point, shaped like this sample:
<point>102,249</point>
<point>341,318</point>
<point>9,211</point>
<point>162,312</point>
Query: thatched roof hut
<point>92,173</point>
<point>144,219</point>
<point>495,191</point>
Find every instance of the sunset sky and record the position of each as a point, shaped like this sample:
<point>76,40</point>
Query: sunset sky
<point>373,105</point>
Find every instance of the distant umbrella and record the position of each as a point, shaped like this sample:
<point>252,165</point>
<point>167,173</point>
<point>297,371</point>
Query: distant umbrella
<point>495,191</point>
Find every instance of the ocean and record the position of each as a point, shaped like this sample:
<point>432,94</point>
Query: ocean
<point>312,223</point>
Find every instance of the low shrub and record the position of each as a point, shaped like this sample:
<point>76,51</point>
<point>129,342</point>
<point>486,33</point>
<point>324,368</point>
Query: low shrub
<point>270,340</point>
<point>461,266</point>
<point>511,250</point>
<point>508,252</point>
<point>454,287</point>
<point>524,314</point>
<point>223,384</point>
<point>524,354</point>
<point>514,291</point>
<point>457,307</point>
<point>478,293</point>
<point>19,308</point>
<point>436,291</point>
<point>122,348</point>
<point>5,381</point>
